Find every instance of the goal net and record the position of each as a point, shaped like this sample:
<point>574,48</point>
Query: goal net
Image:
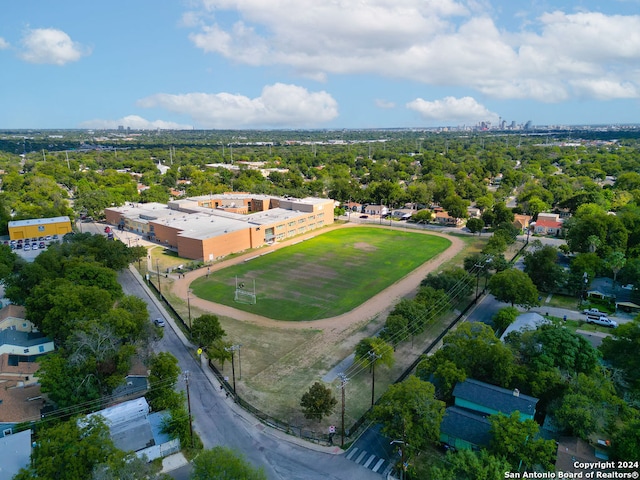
<point>245,291</point>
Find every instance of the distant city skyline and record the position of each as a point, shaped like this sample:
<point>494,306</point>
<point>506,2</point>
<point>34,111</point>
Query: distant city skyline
<point>313,64</point>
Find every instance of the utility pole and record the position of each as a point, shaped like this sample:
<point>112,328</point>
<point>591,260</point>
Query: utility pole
<point>232,349</point>
<point>343,383</point>
<point>374,357</point>
<point>186,380</point>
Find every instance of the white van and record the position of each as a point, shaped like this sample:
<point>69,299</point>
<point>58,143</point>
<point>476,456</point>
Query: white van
<point>602,321</point>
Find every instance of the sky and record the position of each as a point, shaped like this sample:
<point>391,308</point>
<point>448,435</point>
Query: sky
<point>317,64</point>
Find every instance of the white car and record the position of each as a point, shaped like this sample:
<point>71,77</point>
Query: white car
<point>603,321</point>
<point>159,322</point>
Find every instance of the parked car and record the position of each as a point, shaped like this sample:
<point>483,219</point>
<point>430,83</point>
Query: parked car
<point>27,247</point>
<point>602,321</point>
<point>47,238</point>
<point>593,311</point>
<point>159,322</point>
<point>34,246</point>
<point>42,245</point>
<point>364,216</point>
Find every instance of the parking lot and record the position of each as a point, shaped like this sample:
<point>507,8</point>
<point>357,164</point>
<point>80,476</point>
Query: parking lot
<point>30,250</point>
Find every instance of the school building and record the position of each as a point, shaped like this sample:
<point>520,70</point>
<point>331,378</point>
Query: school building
<point>39,227</point>
<point>213,226</point>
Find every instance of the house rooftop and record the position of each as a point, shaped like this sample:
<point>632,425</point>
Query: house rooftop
<point>471,427</point>
<point>495,398</point>
<point>22,339</point>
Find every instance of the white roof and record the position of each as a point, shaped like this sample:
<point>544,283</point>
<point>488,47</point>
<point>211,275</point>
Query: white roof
<point>526,321</point>
<point>38,221</point>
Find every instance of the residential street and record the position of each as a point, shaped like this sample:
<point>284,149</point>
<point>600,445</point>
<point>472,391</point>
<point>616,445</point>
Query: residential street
<point>218,421</point>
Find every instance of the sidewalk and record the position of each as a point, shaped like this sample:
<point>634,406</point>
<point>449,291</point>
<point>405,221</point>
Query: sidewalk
<point>215,384</point>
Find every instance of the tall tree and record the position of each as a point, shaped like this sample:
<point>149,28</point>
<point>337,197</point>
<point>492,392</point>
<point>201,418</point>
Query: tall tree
<point>221,463</point>
<point>515,287</point>
<point>206,330</point>
<point>70,450</point>
<point>519,443</point>
<point>318,402</point>
<point>410,414</point>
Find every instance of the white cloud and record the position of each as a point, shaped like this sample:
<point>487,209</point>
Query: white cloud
<point>436,42</point>
<point>279,105</point>
<point>50,46</point>
<point>450,109</point>
<point>134,122</point>
<point>3,44</point>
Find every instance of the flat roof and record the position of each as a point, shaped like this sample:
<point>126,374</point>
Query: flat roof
<point>38,221</point>
<point>202,223</point>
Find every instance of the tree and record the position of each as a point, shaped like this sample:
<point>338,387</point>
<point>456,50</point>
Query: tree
<point>164,372</point>
<point>126,467</point>
<point>206,330</point>
<point>505,317</point>
<point>518,442</point>
<point>474,349</point>
<point>410,413</point>
<point>615,261</point>
<point>443,373</point>
<point>475,225</point>
<point>221,463</point>
<point>421,216</point>
<point>542,267</point>
<point>469,465</point>
<point>626,441</point>
<point>514,287</point>
<point>70,450</point>
<point>318,402</point>
<point>395,329</point>
<point>370,352</point>
<point>455,206</point>
<point>455,281</point>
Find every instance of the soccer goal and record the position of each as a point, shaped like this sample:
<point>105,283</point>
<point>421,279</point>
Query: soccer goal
<point>245,291</point>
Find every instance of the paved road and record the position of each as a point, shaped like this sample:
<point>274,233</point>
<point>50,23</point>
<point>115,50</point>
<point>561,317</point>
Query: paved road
<point>218,421</point>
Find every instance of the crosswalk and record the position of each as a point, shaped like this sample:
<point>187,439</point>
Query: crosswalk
<point>370,461</point>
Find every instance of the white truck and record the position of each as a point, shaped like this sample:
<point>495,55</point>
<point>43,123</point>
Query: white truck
<point>594,312</point>
<point>601,320</point>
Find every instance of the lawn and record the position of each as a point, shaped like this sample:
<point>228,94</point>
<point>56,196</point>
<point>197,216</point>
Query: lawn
<point>324,276</point>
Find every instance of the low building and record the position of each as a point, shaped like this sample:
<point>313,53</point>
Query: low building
<point>214,226</point>
<point>443,218</point>
<point>39,227</point>
<point>12,317</point>
<point>133,428</point>
<point>521,222</point>
<point>525,321</point>
<point>466,426</point>
<point>376,210</point>
<point>16,452</point>
<point>548,224</point>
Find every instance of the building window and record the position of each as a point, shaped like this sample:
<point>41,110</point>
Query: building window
<point>41,348</point>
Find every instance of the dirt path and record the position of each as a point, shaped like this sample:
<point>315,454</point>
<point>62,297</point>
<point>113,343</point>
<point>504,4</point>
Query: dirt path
<point>380,303</point>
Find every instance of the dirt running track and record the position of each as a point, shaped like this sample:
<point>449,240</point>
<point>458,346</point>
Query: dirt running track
<point>380,303</point>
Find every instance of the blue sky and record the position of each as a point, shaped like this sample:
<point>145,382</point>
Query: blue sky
<point>235,64</point>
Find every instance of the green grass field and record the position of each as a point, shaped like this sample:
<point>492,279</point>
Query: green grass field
<point>325,276</point>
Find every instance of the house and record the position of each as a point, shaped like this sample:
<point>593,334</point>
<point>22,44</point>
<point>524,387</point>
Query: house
<point>464,430</point>
<point>575,455</point>
<point>376,210</point>
<point>521,222</point>
<point>525,321</point>
<point>402,213</point>
<point>548,224</point>
<point>443,218</point>
<point>353,206</point>
<point>12,317</point>
<point>16,452</point>
<point>466,426</point>
<point>473,212</point>
<point>489,399</point>
<point>24,346</point>
<point>134,429</point>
